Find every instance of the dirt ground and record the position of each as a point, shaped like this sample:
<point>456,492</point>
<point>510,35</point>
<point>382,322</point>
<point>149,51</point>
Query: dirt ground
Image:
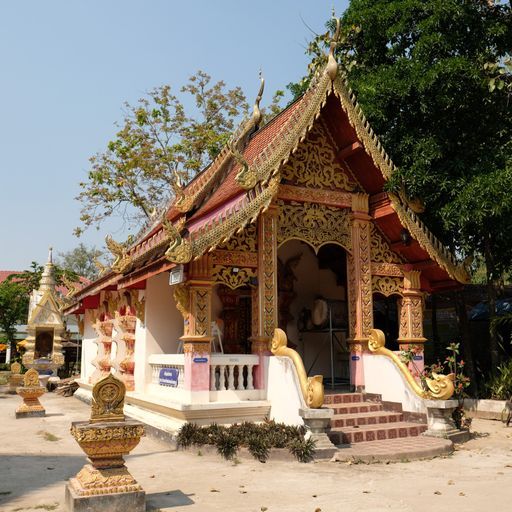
<point>38,455</point>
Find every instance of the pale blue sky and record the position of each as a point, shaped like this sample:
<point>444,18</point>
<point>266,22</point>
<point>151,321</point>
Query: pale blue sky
<point>67,67</point>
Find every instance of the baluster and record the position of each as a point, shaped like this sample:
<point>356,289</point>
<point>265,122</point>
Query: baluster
<point>181,378</point>
<point>240,383</point>
<point>213,384</point>
<point>250,384</point>
<point>231,379</point>
<point>222,377</point>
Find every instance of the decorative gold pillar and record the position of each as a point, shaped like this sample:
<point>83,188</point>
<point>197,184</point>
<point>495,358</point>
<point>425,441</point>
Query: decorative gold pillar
<point>267,274</point>
<point>197,312</point>
<point>360,287</point>
<point>411,313</point>
<point>199,307</point>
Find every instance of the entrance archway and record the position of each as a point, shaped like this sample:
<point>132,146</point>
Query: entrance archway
<point>313,307</point>
<point>386,317</point>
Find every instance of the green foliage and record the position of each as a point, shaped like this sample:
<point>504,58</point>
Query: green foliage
<point>303,449</point>
<point>227,444</point>
<point>157,143</point>
<point>80,261</point>
<point>13,309</point>
<point>500,385</point>
<point>258,438</point>
<point>421,73</point>
<point>29,279</point>
<point>451,364</point>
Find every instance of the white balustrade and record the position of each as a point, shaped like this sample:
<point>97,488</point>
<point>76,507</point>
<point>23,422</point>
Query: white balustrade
<point>159,362</point>
<point>231,377</point>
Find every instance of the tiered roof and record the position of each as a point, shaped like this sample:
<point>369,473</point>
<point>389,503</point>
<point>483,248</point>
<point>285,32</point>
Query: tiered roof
<point>244,179</point>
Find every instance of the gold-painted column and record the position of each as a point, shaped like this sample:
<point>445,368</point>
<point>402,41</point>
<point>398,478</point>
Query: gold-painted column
<point>198,328</point>
<point>267,273</point>
<point>360,287</point>
<point>411,313</point>
<point>198,310</point>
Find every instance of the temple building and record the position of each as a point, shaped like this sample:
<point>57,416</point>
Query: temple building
<point>291,227</point>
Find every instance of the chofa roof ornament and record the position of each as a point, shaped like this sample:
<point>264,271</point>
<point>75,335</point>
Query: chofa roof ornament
<point>256,112</point>
<point>332,65</point>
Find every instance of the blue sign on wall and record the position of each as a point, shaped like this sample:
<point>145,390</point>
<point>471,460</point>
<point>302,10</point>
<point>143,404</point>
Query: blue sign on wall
<point>417,358</point>
<point>169,377</point>
<point>200,359</point>
<point>355,358</point>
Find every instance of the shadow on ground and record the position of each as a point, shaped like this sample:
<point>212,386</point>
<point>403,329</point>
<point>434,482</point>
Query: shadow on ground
<point>31,472</point>
<point>164,500</point>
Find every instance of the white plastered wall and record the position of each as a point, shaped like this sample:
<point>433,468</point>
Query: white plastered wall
<point>382,376</point>
<point>283,391</point>
<point>89,348</point>
<point>162,329</point>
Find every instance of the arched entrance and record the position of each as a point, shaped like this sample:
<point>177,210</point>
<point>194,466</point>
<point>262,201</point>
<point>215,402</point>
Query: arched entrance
<point>386,317</point>
<point>313,307</point>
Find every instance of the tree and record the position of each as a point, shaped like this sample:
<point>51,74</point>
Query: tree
<point>157,144</point>
<point>421,73</point>
<point>13,310</point>
<point>29,279</point>
<point>80,261</point>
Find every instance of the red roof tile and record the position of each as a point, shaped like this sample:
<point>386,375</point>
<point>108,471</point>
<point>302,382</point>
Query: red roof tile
<point>229,188</point>
<point>4,274</point>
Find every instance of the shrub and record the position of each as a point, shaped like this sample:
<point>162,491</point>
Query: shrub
<point>500,386</point>
<point>303,449</point>
<point>258,438</point>
<point>227,444</point>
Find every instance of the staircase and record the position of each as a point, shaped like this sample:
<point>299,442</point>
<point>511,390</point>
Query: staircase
<point>358,420</point>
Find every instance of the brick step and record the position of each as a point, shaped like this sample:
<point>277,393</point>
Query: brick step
<point>342,398</point>
<point>356,407</point>
<point>369,418</point>
<point>380,432</point>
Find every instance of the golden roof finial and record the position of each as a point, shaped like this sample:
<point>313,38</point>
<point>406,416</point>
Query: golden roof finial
<point>332,66</point>
<point>50,254</point>
<point>256,112</point>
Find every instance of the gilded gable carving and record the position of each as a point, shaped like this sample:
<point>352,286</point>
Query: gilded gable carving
<point>315,224</point>
<point>387,285</point>
<point>380,251</point>
<point>243,241</point>
<point>226,275</point>
<point>314,164</point>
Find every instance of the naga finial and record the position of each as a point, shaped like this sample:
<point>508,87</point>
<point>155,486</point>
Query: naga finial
<point>122,261</point>
<point>180,249</point>
<point>177,187</point>
<point>256,112</point>
<point>332,65</point>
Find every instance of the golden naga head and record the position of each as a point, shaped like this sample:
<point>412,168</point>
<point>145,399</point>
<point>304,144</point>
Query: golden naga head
<point>278,341</point>
<point>441,387</point>
<point>376,340</point>
<point>315,392</point>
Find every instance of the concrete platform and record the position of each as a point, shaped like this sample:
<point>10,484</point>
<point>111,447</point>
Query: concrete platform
<point>118,502</point>
<point>395,450</point>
